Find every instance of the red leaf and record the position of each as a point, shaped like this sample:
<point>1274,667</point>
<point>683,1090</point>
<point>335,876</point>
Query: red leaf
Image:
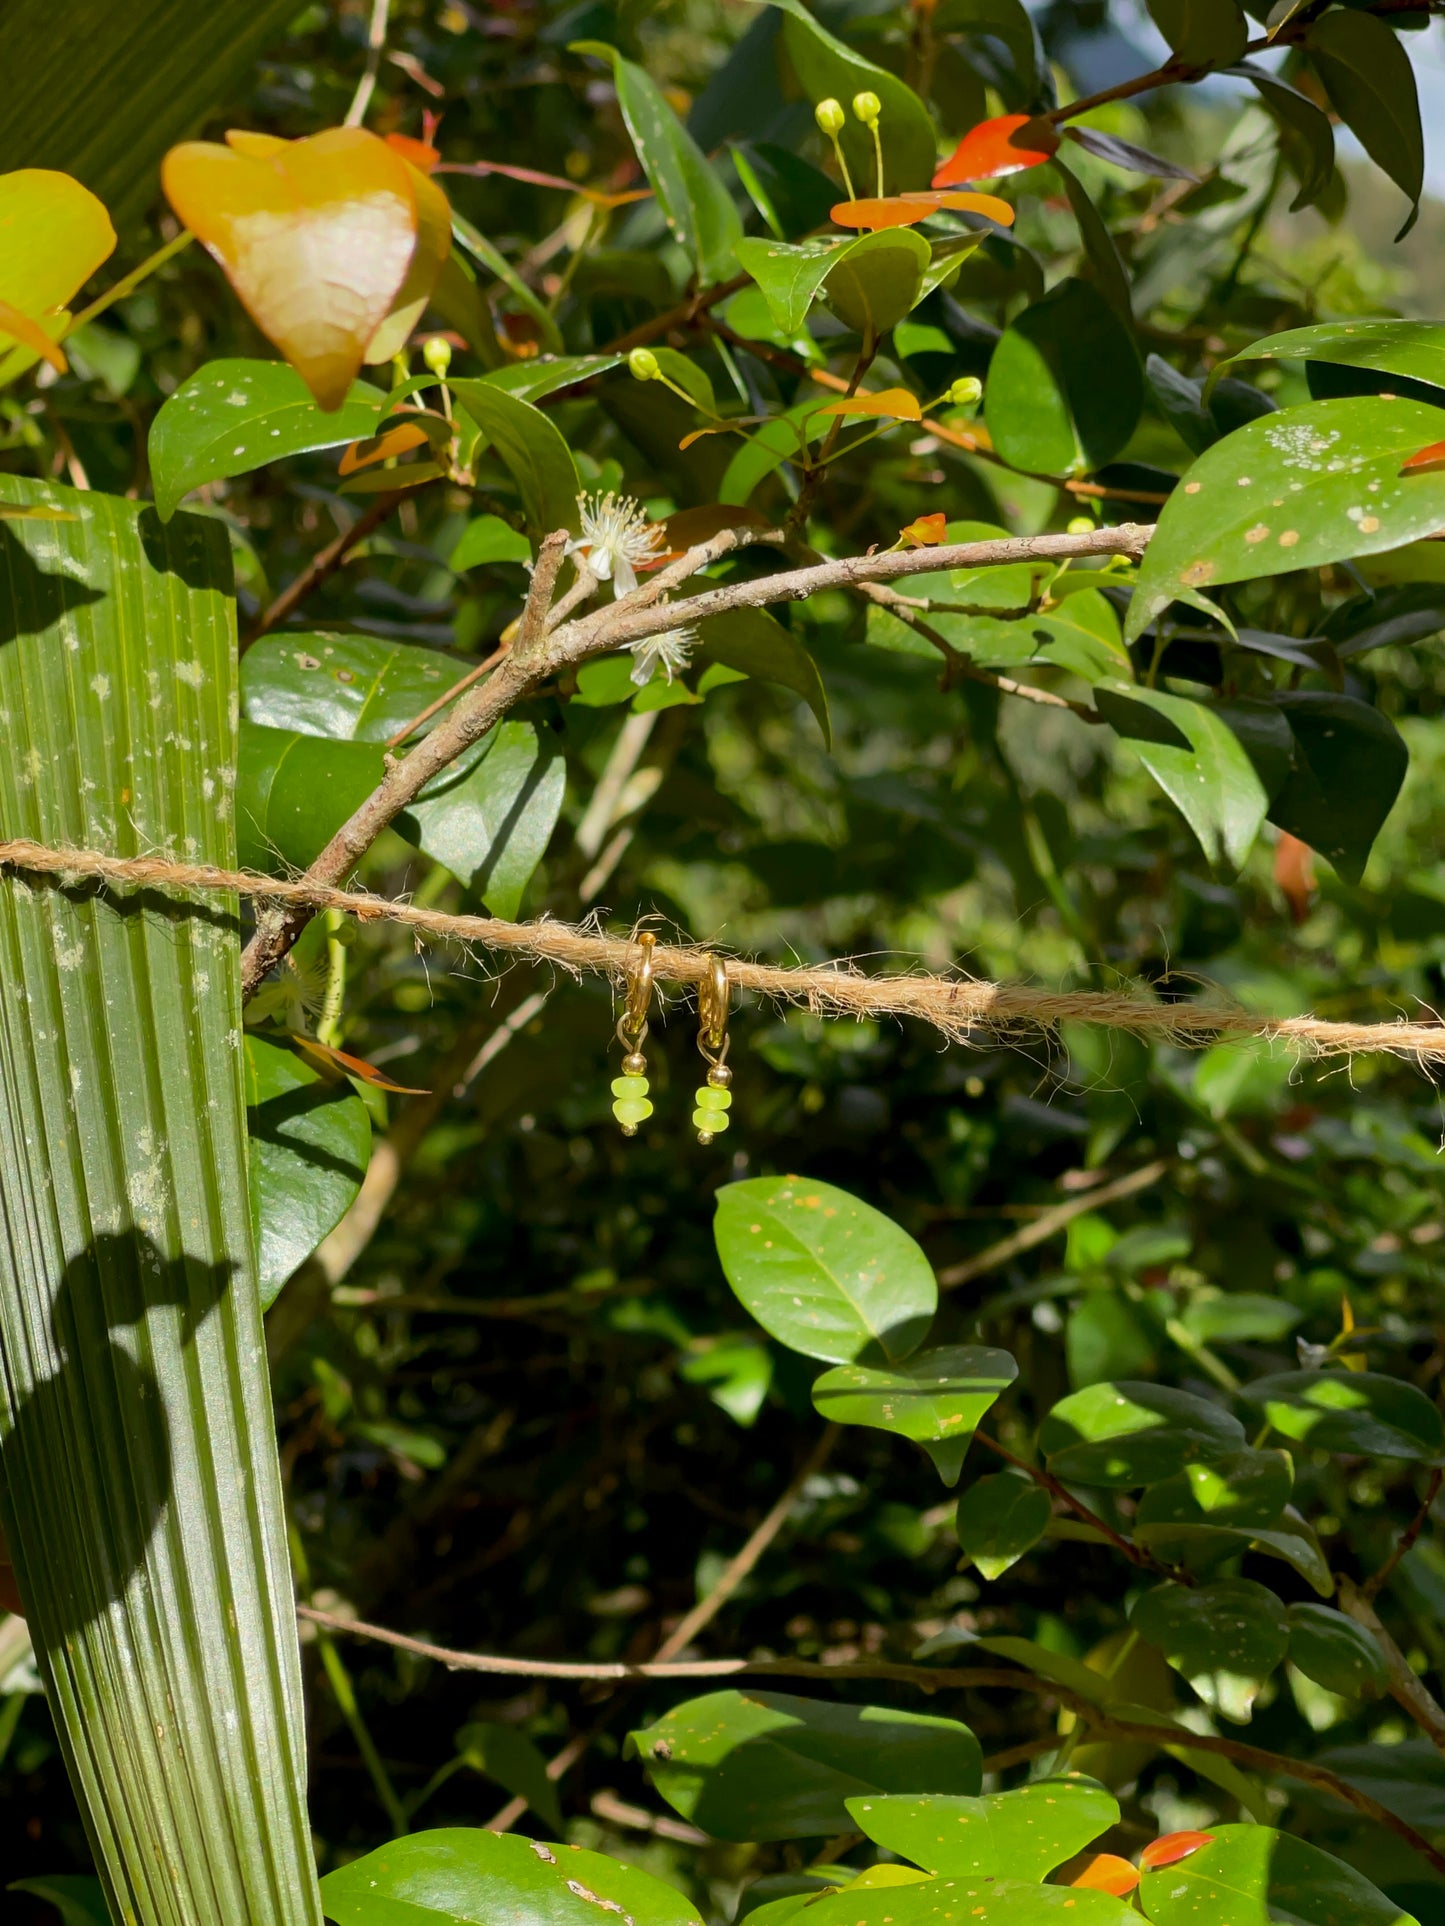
<point>1427,459</point>
<point>422,155</point>
<point>998,147</point>
<point>1173,1847</point>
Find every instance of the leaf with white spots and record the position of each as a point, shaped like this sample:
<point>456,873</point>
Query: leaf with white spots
<point>1294,489</point>
<point>970,1900</point>
<point>1225,1638</point>
<point>822,1272</point>
<point>1023,1834</point>
<point>467,1876</point>
<point>937,1398</point>
<point>233,416</point>
<point>1255,1876</point>
<point>1413,350</point>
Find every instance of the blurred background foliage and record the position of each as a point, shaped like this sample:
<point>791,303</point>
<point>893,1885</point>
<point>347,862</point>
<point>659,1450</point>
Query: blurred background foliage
<point>525,1413</point>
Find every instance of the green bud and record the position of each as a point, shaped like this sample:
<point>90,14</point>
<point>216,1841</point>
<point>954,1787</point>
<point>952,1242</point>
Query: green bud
<point>966,389</point>
<point>867,106</point>
<point>830,117</point>
<point>1081,525</point>
<point>642,363</point>
<point>437,354</point>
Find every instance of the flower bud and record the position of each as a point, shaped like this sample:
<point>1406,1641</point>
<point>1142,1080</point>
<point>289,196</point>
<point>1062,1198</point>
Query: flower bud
<point>437,354</point>
<point>867,106</point>
<point>966,389</point>
<point>1081,525</point>
<point>642,364</point>
<point>830,117</point>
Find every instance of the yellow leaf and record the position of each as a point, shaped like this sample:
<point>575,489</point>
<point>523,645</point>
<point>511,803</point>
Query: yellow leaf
<point>889,404</point>
<point>316,236</point>
<point>54,234</point>
<point>433,245</point>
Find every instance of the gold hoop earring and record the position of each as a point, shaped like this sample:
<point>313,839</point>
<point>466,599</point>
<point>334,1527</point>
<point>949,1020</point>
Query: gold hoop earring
<point>713,1098</point>
<point>631,1104</point>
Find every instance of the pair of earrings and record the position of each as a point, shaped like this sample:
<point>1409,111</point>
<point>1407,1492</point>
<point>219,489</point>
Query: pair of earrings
<point>631,1104</point>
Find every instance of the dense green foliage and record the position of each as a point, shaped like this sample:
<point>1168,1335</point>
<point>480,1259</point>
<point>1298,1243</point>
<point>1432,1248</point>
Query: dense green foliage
<point>531,1398</point>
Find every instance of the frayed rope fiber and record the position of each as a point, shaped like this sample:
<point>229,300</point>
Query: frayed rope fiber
<point>957,1006</point>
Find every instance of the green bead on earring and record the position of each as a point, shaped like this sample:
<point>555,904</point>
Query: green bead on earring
<point>631,1105</point>
<point>713,1098</point>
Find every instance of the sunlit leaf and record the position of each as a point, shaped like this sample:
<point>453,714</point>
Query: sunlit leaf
<point>532,448</point>
<point>886,404</point>
<point>1267,1876</point>
<point>904,210</point>
<point>937,1398</point>
<point>1106,1872</point>
<point>994,148</point>
<point>1225,1637</point>
<point>1065,386</point>
<point>999,1519</point>
<point>1171,1848</point>
<point>1022,1834</point>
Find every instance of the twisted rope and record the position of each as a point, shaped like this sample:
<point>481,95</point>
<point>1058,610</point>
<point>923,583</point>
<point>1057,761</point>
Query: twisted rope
<point>956,1006</point>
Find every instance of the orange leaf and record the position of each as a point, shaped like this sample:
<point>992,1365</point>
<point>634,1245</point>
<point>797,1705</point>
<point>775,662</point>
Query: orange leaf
<point>433,245</point>
<point>903,210</point>
<point>1294,872</point>
<point>927,532</point>
<point>998,147</point>
<point>889,404</point>
<point>316,236</point>
<point>395,441</point>
<point>334,1060</point>
<point>422,155</point>
<point>1106,1872</point>
<point>1173,1847</point>
<point>30,334</point>
<point>1428,458</point>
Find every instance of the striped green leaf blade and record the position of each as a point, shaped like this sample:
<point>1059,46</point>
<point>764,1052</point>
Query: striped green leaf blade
<point>138,1477</point>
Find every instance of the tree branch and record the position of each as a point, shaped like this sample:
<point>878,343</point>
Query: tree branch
<point>1374,1586</point>
<point>1407,1688</point>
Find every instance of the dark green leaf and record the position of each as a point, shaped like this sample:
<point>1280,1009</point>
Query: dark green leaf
<point>233,416</point>
<point>1295,489</point>
<point>792,197</point>
<point>937,1398</point>
<point>758,645</point>
<point>1225,1638</point>
<point>999,1519</point>
<point>1306,138</point>
<point>767,1765</point>
<point>77,1897</point>
<point>1336,1653</point>
<point>823,1272</point>
<point>350,687</point>
<point>1242,1489</point>
<point>1181,402</point>
<point>877,280</point>
<point>472,1877</point>
<point>826,68</point>
<point>1371,85</point>
<point>1204,33</point>
<point>310,1141</point>
<point>1065,388</point>
<point>695,204</point>
<point>548,374</point>
<point>1408,1778</point>
<point>1239,1317</point>
<point>1358,1412</point>
<point>503,1753</point>
<point>1349,764</point>
<point>533,450</point>
<point>1265,1876</point>
<point>1003,20</point>
<point>1106,263</point>
<point>1125,1434</point>
<point>1414,350</point>
<point>1197,760</point>
<point>520,295</point>
<point>1023,1834</point>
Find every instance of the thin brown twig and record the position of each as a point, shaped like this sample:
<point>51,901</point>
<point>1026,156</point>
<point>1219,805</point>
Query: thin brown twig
<point>1136,1554</point>
<point>445,701</point>
<point>323,564</point>
<point>1049,1223</point>
<point>959,664</point>
<point>1407,1688</point>
<point>1372,1587</point>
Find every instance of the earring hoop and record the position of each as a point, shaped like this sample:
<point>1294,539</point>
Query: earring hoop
<point>713,1098</point>
<point>631,1104</point>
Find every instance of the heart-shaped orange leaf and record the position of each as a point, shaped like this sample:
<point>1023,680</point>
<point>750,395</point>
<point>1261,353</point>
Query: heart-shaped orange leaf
<point>1106,1872</point>
<point>54,234</point>
<point>903,210</point>
<point>889,404</point>
<point>316,236</point>
<point>1426,460</point>
<point>997,147</point>
<point>1173,1847</point>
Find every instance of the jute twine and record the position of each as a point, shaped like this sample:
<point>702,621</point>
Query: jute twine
<point>960,1007</point>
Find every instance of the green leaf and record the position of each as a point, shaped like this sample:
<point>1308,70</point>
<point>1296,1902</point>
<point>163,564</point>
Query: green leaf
<point>1065,388</point>
<point>1240,1317</point>
<point>1358,1412</point>
<point>1349,765</point>
<point>950,1902</point>
<point>310,1141</point>
<point>1020,1835</point>
<point>877,280</point>
<point>789,275</point>
<point>1306,138</point>
<point>937,1398</point>
<point>1005,20</point>
<point>486,255</point>
<point>503,1753</point>
<point>133,1386</point>
<point>999,1519</point>
<point>1292,490</point>
<point>767,1765</point>
<point>1205,33</point>
<point>1414,350</point>
<point>1101,251</point>
<point>1336,1653</point>
<point>827,69</point>
<point>1196,759</point>
<point>1124,1434</point>
<point>294,791</point>
<point>1225,1638</point>
<point>159,73</point>
<point>486,541</point>
<point>233,416</point>
<point>737,1371</point>
<point>1261,1876</point>
<point>695,204</point>
<point>758,645</point>
<point>77,1897</point>
<point>1243,1489</point>
<point>532,449</point>
<point>353,688</point>
<point>791,195</point>
<point>823,1272</point>
<point>547,374</point>
<point>467,1876</point>
<point>1371,84</point>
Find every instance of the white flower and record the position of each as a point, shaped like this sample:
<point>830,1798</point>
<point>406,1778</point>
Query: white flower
<point>669,652</point>
<point>616,538</point>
